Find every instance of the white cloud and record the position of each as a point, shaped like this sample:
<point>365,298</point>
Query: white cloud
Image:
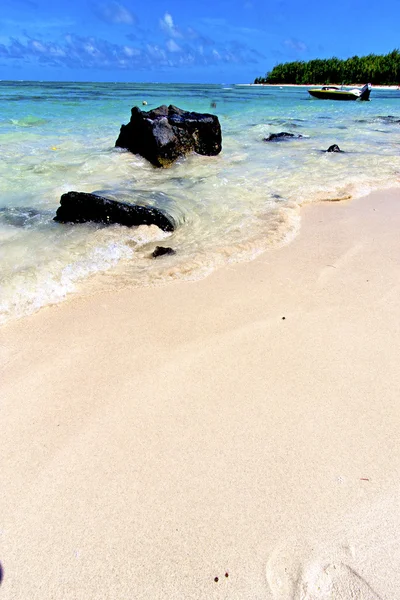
<point>115,12</point>
<point>156,52</point>
<point>56,51</point>
<point>91,49</point>
<point>129,51</point>
<point>168,25</point>
<point>296,45</point>
<point>168,21</point>
<point>182,47</point>
<point>172,46</point>
<point>38,46</point>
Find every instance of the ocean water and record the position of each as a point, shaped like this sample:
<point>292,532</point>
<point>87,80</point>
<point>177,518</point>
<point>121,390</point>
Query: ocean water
<point>56,137</point>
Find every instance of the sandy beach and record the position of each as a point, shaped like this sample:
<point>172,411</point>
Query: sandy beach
<point>232,438</point>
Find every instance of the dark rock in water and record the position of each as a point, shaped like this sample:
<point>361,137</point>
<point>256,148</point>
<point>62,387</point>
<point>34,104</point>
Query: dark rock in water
<point>161,251</point>
<point>166,133</point>
<point>389,119</point>
<point>334,148</point>
<point>283,135</point>
<point>80,207</point>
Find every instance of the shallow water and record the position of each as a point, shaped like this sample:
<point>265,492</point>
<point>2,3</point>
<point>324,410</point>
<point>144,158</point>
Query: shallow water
<point>56,137</point>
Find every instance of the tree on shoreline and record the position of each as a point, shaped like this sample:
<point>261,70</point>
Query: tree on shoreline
<point>373,68</point>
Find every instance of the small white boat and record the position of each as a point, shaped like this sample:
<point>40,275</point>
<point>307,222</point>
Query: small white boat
<point>332,92</point>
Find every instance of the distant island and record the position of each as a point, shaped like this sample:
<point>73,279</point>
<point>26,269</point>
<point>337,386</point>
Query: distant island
<point>376,69</point>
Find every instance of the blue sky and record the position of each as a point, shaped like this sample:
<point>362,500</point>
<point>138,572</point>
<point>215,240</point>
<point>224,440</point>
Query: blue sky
<point>184,41</point>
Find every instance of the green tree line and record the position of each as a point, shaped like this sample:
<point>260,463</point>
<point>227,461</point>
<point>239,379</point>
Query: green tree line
<point>375,68</point>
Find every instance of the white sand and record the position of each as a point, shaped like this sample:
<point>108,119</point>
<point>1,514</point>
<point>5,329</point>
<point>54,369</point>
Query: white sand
<point>155,439</point>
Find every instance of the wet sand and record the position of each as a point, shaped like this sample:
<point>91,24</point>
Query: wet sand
<point>234,438</point>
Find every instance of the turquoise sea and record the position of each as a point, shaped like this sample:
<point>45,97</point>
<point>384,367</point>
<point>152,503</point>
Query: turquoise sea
<point>56,137</point>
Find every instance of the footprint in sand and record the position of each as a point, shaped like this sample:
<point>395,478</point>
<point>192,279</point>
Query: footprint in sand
<point>315,581</point>
<point>334,582</point>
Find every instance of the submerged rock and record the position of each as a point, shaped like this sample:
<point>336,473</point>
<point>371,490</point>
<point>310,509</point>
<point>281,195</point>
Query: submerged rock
<point>283,135</point>
<point>161,251</point>
<point>166,133</point>
<point>389,119</point>
<point>17,216</point>
<point>334,148</point>
<point>80,207</point>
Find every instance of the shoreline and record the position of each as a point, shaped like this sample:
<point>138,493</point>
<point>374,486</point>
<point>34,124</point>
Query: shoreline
<point>92,286</point>
<point>307,85</point>
<point>245,424</point>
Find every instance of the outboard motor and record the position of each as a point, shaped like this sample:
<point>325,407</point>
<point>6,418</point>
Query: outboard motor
<point>365,91</point>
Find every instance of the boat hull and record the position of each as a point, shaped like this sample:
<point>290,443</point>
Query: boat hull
<point>331,92</point>
<point>333,95</point>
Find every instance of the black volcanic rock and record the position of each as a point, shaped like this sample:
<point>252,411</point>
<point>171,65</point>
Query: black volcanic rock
<point>80,207</point>
<point>283,135</point>
<point>162,251</point>
<point>334,148</point>
<point>166,133</point>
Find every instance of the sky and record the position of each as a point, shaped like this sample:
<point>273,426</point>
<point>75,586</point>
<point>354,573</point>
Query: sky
<point>207,41</point>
